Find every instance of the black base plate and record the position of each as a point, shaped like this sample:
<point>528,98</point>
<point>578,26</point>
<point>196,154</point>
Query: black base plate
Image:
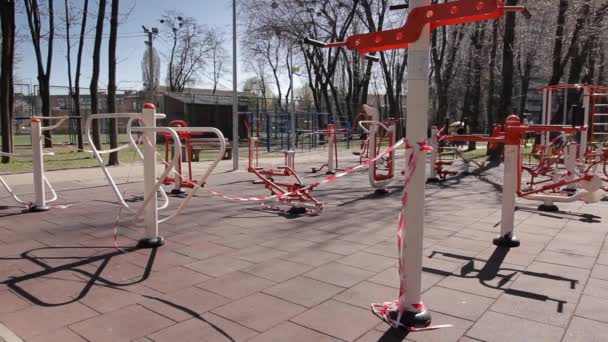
<point>296,211</point>
<point>507,241</point>
<point>418,320</point>
<point>35,209</point>
<point>330,173</point>
<point>549,208</point>
<point>151,243</point>
<point>433,180</point>
<point>177,192</point>
<point>381,191</point>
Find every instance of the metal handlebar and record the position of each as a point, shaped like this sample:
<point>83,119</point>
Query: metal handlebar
<point>173,131</point>
<point>97,153</point>
<point>372,123</point>
<point>61,119</point>
<point>399,7</point>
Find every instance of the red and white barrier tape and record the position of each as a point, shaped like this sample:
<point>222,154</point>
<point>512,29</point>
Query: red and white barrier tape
<point>383,310</point>
<point>310,186</point>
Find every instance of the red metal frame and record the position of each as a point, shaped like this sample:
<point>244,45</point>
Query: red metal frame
<point>185,138</point>
<point>332,133</point>
<point>390,160</point>
<point>512,133</point>
<point>437,15</point>
<point>296,189</point>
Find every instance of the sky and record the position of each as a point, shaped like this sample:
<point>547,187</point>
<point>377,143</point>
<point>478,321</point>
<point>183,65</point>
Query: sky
<point>212,13</point>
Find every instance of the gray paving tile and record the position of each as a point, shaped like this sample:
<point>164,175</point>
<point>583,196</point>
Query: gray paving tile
<point>597,288</point>
<point>456,303</point>
<point>556,311</point>
<point>288,331</point>
<point>203,249</point>
<point>183,304</point>
<point>452,334</point>
<point>566,259</point>
<point>124,324</point>
<point>208,328</point>
<point>482,282</point>
<point>365,293</point>
<point>340,246</point>
<point>593,308</point>
<point>600,272</point>
<point>219,265</point>
<point>311,257</point>
<point>37,321</point>
<point>315,235</point>
<point>277,270</point>
<point>236,285</point>
<point>566,246</point>
<point>339,274</point>
<point>337,319</point>
<point>496,327</point>
<point>288,244</point>
<point>174,279</point>
<point>304,291</point>
<point>257,254</point>
<point>368,261</point>
<point>586,330</point>
<point>259,312</point>
<point>61,335</point>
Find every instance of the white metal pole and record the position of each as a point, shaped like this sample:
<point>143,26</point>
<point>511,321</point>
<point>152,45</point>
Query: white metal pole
<point>38,166</point>
<point>549,114</point>
<point>293,137</point>
<point>413,213</point>
<point>371,151</point>
<point>434,154</point>
<point>331,157</point>
<point>151,238</point>
<point>509,190</point>
<point>565,114</point>
<point>543,139</point>
<point>235,95</point>
<point>585,131</point>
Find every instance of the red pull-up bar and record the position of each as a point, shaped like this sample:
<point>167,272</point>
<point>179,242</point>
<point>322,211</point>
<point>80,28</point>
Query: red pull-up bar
<point>451,13</point>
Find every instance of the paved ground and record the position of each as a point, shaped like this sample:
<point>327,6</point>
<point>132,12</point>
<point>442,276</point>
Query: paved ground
<point>235,272</point>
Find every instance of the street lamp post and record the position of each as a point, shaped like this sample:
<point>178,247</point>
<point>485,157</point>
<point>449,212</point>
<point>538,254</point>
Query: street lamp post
<point>235,96</point>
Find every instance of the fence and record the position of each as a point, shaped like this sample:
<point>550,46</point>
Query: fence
<point>269,115</point>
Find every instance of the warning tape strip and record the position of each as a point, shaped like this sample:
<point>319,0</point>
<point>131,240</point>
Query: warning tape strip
<point>384,310</point>
<point>310,186</point>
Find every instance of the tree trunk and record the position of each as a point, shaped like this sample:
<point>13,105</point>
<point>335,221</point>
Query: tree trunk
<point>113,159</point>
<point>492,119</point>
<point>508,54</point>
<point>558,45</point>
<point>95,75</point>
<point>506,99</point>
<point>33,15</point>
<point>7,18</point>
<point>76,93</point>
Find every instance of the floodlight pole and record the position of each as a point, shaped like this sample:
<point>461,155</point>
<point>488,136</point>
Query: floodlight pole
<point>293,136</point>
<point>235,96</point>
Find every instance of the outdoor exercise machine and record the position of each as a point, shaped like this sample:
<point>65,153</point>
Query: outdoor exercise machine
<point>590,98</point>
<point>291,189</point>
<point>408,312</point>
<point>438,171</point>
<point>178,179</point>
<point>582,186</point>
<point>150,208</point>
<point>379,134</point>
<point>331,133</point>
<point>40,202</point>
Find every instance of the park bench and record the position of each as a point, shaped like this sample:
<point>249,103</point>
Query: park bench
<point>206,144</point>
